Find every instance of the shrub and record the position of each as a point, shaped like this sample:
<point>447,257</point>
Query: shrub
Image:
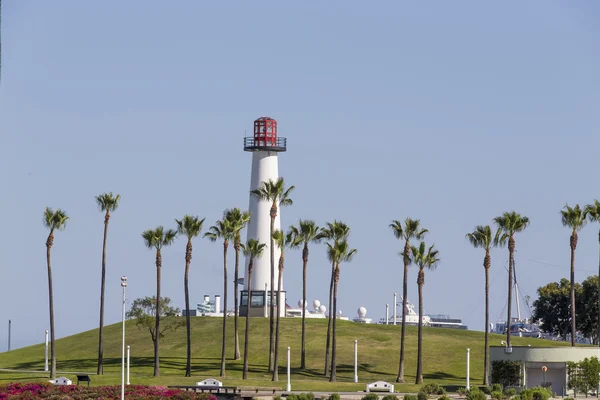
<point>370,396</point>
<point>410,397</point>
<point>510,392</point>
<point>132,392</point>
<point>278,397</point>
<point>444,397</point>
<point>462,391</point>
<point>536,393</point>
<point>292,396</point>
<point>506,373</point>
<point>433,388</point>
<point>496,387</point>
<point>497,395</point>
<point>422,395</point>
<point>390,397</point>
<point>476,394</point>
<point>306,396</point>
<point>334,396</point>
<point>484,389</point>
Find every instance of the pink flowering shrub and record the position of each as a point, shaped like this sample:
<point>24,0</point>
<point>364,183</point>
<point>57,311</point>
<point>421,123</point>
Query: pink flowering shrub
<point>27,391</point>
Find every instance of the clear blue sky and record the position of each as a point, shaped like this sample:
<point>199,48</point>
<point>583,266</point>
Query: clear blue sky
<point>452,113</point>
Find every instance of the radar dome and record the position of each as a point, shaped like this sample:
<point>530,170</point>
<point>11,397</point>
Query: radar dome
<point>316,304</point>
<point>362,312</point>
<point>322,309</point>
<point>300,304</point>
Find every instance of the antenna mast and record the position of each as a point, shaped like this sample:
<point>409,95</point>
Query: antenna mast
<point>517,291</point>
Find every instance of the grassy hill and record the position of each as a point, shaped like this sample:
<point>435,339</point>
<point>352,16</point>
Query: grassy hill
<point>378,355</point>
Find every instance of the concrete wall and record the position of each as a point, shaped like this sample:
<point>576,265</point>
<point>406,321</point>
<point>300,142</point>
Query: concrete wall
<point>544,354</point>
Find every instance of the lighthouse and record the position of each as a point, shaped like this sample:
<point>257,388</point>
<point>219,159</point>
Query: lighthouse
<point>264,145</point>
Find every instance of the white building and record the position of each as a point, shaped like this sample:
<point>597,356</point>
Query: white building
<point>534,359</point>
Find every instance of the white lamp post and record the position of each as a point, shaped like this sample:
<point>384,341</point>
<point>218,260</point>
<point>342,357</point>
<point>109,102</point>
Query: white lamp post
<point>123,285</point>
<point>387,314</point>
<point>468,362</point>
<point>46,363</point>
<point>395,308</point>
<point>128,364</point>
<point>355,361</point>
<point>289,385</point>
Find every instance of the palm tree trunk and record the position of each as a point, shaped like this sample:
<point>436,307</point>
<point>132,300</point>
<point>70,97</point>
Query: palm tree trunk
<point>49,243</point>
<point>400,377</point>
<point>272,292</point>
<point>236,352</point>
<point>246,335</point>
<point>598,289</point>
<point>334,336</point>
<point>224,344</point>
<point>419,379</point>
<point>573,311</point>
<point>511,260</point>
<point>157,323</point>
<point>276,358</point>
<point>304,263</point>
<point>188,259</point>
<point>331,312</point>
<point>486,348</point>
<point>100,370</point>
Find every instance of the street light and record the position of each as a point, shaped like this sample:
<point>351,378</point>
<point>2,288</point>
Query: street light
<point>46,363</point>
<point>123,285</point>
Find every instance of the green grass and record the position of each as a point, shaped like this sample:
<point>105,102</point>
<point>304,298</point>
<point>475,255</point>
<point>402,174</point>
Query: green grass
<point>378,355</point>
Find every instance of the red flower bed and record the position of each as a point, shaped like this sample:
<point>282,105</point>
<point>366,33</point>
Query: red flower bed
<point>17,391</point>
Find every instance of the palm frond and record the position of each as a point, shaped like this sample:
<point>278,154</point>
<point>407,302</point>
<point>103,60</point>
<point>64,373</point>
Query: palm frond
<point>481,237</point>
<point>593,211</point>
<point>158,238</point>
<point>253,248</point>
<point>107,201</point>
<point>189,226</point>
<point>306,232</point>
<point>237,219</point>
<point>574,217</point>
<point>55,219</point>
<point>511,222</point>
<point>274,192</point>
<point>222,229</point>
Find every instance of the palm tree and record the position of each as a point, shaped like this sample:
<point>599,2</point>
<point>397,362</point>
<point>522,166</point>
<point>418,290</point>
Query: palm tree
<point>106,203</point>
<point>422,257</point>
<point>157,239</point>
<point>482,237</point>
<point>410,230</point>
<point>574,218</point>
<point>337,253</point>
<point>509,223</point>
<point>252,249</point>
<point>54,221</point>
<point>239,219</point>
<point>222,230</point>
<point>282,241</point>
<point>189,226</point>
<point>593,213</point>
<point>306,232</point>
<point>276,193</point>
<point>334,232</point>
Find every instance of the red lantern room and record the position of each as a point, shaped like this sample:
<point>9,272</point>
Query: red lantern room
<point>265,137</point>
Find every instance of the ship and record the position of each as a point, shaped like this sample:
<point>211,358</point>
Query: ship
<point>434,320</point>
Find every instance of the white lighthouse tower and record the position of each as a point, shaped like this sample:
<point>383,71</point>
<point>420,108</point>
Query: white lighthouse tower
<point>264,145</point>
